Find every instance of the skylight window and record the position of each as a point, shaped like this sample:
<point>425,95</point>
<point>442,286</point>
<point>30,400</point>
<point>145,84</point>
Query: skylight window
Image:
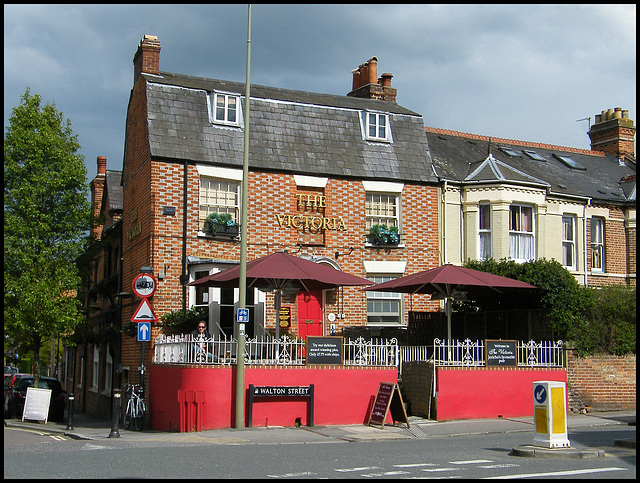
<point>533,155</point>
<point>570,162</point>
<point>510,152</point>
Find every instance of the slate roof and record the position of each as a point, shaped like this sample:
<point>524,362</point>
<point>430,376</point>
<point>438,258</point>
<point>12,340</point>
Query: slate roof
<point>468,160</point>
<point>290,131</point>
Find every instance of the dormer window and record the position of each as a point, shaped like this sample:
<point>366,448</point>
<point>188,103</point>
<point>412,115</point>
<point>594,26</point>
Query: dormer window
<point>225,108</point>
<point>376,127</point>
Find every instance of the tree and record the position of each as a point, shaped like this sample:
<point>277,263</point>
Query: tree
<point>46,222</point>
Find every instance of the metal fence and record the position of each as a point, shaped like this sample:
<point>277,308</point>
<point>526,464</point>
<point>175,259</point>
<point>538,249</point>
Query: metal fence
<point>185,349</point>
<point>469,354</point>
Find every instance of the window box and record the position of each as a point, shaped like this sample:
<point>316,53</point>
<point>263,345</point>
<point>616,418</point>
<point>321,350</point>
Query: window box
<point>221,224</point>
<point>381,235</point>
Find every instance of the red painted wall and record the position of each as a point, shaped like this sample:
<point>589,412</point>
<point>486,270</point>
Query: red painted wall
<point>476,393</point>
<point>343,395</point>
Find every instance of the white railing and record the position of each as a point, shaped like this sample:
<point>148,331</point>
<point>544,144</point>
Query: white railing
<point>183,349</point>
<point>362,352</point>
<point>469,353</point>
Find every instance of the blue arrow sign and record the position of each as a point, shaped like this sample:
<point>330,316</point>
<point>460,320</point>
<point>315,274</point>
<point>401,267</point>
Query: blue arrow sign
<point>540,393</point>
<point>144,331</point>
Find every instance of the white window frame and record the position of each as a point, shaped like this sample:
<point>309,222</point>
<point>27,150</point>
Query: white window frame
<point>522,243</point>
<point>390,304</point>
<point>485,245</point>
<point>213,108</point>
<point>108,371</point>
<point>597,244</point>
<point>569,242</point>
<point>206,208</point>
<point>95,377</point>
<point>379,122</point>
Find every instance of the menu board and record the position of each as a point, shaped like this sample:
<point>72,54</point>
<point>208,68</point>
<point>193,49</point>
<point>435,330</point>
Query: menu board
<point>388,399</point>
<point>36,404</point>
<point>284,317</point>
<point>501,352</point>
<point>324,350</point>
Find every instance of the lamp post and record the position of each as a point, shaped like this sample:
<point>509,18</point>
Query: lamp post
<point>243,243</point>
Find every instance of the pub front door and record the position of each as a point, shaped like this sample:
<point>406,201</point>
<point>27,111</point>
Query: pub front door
<point>309,313</point>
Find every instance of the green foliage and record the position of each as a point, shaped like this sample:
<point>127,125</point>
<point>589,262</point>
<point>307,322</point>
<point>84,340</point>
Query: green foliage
<point>183,321</point>
<point>611,326</point>
<point>221,219</point>
<point>46,218</point>
<point>384,235</point>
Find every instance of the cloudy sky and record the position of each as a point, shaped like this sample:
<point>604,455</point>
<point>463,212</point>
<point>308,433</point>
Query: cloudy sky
<point>526,72</point>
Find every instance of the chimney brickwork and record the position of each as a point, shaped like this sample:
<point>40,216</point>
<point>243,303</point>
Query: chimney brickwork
<point>97,192</point>
<point>147,58</point>
<point>613,133</point>
<point>366,83</point>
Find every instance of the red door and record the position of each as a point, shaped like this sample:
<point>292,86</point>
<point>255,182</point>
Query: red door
<point>309,313</point>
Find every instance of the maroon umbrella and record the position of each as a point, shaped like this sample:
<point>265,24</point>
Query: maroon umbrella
<point>283,272</point>
<point>451,282</point>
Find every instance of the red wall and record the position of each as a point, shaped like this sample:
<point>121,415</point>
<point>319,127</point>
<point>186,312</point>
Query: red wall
<point>475,393</point>
<point>342,395</point>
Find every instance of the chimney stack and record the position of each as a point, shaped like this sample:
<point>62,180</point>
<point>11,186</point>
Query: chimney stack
<point>147,58</point>
<point>97,193</point>
<point>366,83</point>
<point>613,133</point>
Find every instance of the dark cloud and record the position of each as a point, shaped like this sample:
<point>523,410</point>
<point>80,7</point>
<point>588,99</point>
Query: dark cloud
<point>516,71</point>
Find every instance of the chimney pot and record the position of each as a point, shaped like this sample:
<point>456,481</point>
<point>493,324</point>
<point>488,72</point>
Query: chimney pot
<point>386,79</point>
<point>373,70</point>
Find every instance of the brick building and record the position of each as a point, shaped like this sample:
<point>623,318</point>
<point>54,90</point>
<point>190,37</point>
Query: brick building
<point>519,200</point>
<point>323,169</point>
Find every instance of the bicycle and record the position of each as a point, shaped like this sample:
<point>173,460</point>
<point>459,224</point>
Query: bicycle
<point>135,410</point>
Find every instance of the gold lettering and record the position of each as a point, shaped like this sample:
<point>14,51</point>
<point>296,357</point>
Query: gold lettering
<point>341,225</point>
<point>282,218</point>
<point>299,196</point>
<point>322,201</point>
<point>326,223</point>
<point>295,221</point>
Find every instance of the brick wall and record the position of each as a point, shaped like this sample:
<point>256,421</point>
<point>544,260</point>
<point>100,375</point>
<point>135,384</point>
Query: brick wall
<point>604,382</point>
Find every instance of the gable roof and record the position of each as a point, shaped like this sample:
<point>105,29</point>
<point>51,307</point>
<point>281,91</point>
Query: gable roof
<point>459,157</point>
<point>290,131</point>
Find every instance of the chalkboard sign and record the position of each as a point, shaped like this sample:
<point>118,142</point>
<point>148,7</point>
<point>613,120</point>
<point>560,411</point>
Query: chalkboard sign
<point>284,318</point>
<point>324,350</point>
<point>501,352</point>
<point>388,398</point>
<point>36,404</point>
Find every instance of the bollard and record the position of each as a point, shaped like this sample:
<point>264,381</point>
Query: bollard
<point>70,413</point>
<point>116,413</point>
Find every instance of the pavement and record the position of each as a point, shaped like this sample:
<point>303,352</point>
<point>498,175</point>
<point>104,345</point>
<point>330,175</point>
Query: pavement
<point>88,428</point>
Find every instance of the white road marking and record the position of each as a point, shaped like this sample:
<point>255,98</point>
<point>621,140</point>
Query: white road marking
<point>292,475</point>
<point>362,468</point>
<point>556,473</point>
<point>469,462</point>
<point>414,465</point>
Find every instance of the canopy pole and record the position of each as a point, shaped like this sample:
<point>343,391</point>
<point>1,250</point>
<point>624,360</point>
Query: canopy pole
<point>243,243</point>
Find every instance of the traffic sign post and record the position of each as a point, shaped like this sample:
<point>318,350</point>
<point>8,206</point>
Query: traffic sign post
<point>144,286</point>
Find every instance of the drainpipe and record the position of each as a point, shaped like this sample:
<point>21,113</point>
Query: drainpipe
<point>185,276</point>
<point>584,234</point>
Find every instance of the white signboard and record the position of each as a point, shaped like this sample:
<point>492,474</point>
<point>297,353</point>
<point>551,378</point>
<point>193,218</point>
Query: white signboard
<point>36,405</point>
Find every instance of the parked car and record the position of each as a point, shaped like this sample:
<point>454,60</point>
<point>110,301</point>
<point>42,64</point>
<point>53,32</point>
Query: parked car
<point>58,396</point>
<point>10,370</point>
<point>9,382</point>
